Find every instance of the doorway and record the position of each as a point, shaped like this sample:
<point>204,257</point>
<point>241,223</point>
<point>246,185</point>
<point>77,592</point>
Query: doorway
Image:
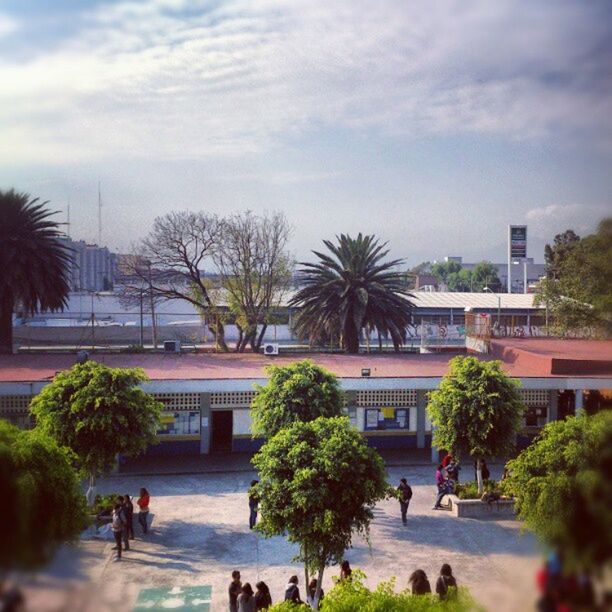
<point>221,434</point>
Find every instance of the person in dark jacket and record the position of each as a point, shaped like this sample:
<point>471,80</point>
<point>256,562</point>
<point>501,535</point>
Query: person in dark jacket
<point>263,599</point>
<point>292,592</point>
<point>446,585</point>
<point>128,508</point>
<point>405,495</point>
<point>419,583</point>
<point>234,589</point>
<point>253,503</point>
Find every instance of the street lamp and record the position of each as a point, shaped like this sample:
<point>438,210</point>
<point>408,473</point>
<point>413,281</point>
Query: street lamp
<point>498,301</point>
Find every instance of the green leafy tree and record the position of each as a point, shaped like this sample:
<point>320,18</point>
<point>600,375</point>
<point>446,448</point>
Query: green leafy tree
<point>443,269</point>
<point>34,263</point>
<point>318,484</point>
<point>302,391</point>
<point>577,288</point>
<point>485,275</point>
<point>98,413</point>
<point>460,281</point>
<point>355,288</point>
<point>476,411</point>
<point>561,484</point>
<point>42,504</point>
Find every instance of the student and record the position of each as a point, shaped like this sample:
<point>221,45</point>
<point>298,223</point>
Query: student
<point>440,476</point>
<point>253,503</point>
<point>446,585</point>
<point>445,489</point>
<point>263,599</point>
<point>405,495</point>
<point>452,470</point>
<point>128,508</point>
<point>311,592</point>
<point>143,509</point>
<point>448,459</point>
<point>292,592</point>
<point>419,583</point>
<point>246,599</point>
<point>345,570</point>
<point>234,589</point>
<point>124,534</point>
<point>117,525</point>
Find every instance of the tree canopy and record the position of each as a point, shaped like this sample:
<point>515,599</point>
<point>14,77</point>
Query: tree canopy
<point>476,410</point>
<point>302,391</point>
<point>458,278</point>
<point>562,491</point>
<point>318,483</point>
<point>98,412</point>
<point>577,290</point>
<point>34,263</point>
<point>42,504</point>
<point>350,290</point>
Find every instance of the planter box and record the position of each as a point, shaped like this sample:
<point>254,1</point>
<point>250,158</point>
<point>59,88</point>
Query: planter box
<point>474,508</point>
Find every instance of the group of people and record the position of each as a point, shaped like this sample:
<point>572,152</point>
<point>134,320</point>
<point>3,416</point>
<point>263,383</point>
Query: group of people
<point>446,585</point>
<point>447,476</point>
<point>242,598</point>
<point>122,519</point>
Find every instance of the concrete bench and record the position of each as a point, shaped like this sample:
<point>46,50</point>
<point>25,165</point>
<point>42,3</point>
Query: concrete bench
<point>475,508</point>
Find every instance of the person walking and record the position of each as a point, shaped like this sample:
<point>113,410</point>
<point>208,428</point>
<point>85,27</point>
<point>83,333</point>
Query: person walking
<point>345,570</point>
<point>234,589</point>
<point>143,509</point>
<point>117,525</point>
<point>446,585</point>
<point>292,591</point>
<point>419,583</point>
<point>405,495</point>
<point>312,591</point>
<point>128,508</point>
<point>446,488</point>
<point>253,503</point>
<point>246,599</point>
<point>263,599</point>
<point>124,534</point>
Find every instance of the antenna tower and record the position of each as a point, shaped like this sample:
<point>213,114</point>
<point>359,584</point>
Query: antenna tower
<point>99,216</point>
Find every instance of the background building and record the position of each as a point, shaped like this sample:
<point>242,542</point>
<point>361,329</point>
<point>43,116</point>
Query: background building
<point>92,268</point>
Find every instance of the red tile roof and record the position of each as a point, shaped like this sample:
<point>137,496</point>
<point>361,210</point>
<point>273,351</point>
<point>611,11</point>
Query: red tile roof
<point>521,358</point>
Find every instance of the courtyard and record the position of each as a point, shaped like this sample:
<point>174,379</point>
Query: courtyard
<point>200,534</point>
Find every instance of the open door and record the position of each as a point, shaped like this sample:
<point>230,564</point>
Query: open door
<point>221,431</point>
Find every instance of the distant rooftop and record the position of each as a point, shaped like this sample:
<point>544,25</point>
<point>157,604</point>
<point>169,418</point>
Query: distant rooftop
<point>485,300</point>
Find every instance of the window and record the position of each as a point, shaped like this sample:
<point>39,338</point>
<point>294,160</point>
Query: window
<point>179,423</point>
<point>16,410</point>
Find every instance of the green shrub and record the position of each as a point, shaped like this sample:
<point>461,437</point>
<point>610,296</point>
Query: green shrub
<point>469,489</point>
<point>352,595</point>
<point>104,502</point>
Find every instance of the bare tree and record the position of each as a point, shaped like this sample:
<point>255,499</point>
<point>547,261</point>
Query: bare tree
<point>255,270</point>
<point>170,263</point>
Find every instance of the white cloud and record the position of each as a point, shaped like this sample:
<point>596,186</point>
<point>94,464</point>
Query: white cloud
<point>148,79</point>
<point>8,25</point>
<point>553,218</point>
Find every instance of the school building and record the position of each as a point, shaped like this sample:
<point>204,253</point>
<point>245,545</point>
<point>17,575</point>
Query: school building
<point>207,396</point>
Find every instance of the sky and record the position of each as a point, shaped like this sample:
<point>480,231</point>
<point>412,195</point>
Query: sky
<point>430,124</point>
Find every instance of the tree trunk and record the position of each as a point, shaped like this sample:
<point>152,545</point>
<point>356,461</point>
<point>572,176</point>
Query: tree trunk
<point>479,476</point>
<point>6,322</point>
<point>90,496</point>
<point>317,595</point>
<point>306,575</point>
<point>218,331</point>
<point>351,336</point>
<point>260,337</point>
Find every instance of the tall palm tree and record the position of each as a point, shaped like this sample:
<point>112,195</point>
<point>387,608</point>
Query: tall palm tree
<point>33,263</point>
<point>353,288</point>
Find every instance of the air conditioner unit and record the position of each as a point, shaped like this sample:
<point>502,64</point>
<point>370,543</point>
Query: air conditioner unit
<point>172,346</point>
<point>270,348</point>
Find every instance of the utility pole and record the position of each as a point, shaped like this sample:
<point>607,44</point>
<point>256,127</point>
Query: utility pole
<point>141,320</point>
<point>99,215</point>
<point>93,323</point>
<point>153,325</point>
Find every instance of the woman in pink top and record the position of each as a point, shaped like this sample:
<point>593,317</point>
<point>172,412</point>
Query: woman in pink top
<point>143,509</point>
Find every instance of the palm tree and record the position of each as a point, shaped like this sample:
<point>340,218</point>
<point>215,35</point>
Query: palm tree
<point>354,289</point>
<point>33,263</point>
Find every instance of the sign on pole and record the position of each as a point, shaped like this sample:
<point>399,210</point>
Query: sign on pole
<point>517,248</point>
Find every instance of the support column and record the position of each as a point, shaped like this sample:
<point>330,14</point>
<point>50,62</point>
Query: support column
<point>420,420</point>
<point>205,423</point>
<point>351,401</point>
<point>579,405</point>
<point>553,405</point>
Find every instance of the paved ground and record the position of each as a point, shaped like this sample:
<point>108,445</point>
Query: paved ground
<point>200,534</point>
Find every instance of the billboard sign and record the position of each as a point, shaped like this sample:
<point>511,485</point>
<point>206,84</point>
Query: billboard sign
<point>517,241</point>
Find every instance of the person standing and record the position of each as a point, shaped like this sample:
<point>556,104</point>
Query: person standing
<point>118,526</point>
<point>143,509</point>
<point>246,599</point>
<point>124,534</point>
<point>312,591</point>
<point>345,570</point>
<point>253,503</point>
<point>292,591</point>
<point>263,599</point>
<point>128,508</point>
<point>405,495</point>
<point>419,583</point>
<point>446,585</point>
<point>234,589</point>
